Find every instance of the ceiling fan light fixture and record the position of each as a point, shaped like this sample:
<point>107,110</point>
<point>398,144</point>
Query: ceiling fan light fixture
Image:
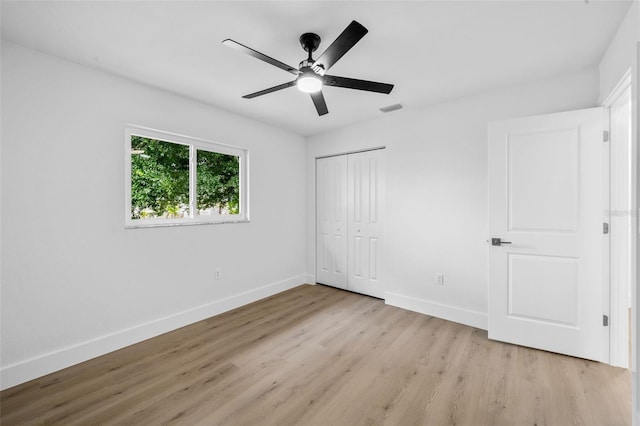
<point>309,82</point>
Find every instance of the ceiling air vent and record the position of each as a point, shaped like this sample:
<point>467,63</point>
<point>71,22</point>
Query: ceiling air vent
<point>390,108</point>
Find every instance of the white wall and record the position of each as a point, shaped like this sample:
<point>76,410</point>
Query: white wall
<point>621,56</point>
<point>437,190</point>
<point>75,283</point>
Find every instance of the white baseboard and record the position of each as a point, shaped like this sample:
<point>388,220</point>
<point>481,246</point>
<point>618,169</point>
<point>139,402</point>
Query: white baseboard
<point>32,368</point>
<point>310,279</point>
<point>434,309</point>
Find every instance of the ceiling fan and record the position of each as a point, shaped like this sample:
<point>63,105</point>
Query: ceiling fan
<point>311,73</point>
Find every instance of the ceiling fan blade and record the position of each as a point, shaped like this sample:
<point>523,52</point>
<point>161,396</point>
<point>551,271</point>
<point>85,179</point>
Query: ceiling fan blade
<point>249,51</point>
<point>352,83</point>
<point>270,90</point>
<point>341,45</point>
<point>318,101</point>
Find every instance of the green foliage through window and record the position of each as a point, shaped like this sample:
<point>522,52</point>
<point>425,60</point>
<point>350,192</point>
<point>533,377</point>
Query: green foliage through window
<point>218,180</point>
<point>160,180</point>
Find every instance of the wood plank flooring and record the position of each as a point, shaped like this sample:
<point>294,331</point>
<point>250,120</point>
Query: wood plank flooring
<point>320,356</point>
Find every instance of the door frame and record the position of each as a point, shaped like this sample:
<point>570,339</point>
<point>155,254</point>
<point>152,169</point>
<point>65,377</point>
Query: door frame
<point>620,301</point>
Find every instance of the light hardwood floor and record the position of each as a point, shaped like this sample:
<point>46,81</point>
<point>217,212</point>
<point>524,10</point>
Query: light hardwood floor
<point>319,356</point>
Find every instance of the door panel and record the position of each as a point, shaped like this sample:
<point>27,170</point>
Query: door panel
<point>374,258</point>
<point>546,197</point>
<point>543,288</point>
<point>331,250</point>
<point>365,198</point>
<point>543,181</point>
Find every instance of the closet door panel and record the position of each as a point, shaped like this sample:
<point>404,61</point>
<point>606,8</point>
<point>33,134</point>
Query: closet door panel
<point>365,198</point>
<point>331,232</point>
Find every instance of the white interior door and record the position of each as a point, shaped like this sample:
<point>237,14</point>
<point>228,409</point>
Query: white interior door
<point>366,183</point>
<point>331,240</point>
<point>547,287</point>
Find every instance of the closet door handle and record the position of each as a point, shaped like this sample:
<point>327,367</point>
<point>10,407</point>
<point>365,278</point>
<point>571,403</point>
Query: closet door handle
<point>498,242</point>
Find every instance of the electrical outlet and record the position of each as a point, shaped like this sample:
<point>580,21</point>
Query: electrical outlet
<point>218,273</point>
<point>439,279</point>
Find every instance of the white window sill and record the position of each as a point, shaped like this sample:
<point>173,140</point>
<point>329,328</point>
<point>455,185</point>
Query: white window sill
<point>163,224</point>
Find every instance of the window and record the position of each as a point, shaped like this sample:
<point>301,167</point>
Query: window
<point>175,180</point>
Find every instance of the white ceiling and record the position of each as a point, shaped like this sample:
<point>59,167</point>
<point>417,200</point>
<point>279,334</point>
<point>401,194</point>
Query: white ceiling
<point>432,51</point>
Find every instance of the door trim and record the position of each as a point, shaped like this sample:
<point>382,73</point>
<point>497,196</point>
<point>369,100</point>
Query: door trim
<point>619,299</point>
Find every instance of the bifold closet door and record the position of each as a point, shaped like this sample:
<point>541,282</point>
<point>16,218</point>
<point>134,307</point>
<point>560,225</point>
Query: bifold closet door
<point>350,196</point>
<point>331,227</point>
<point>365,199</point>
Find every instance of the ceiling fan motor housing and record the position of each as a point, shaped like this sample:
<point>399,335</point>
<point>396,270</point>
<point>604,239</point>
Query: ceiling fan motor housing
<point>309,42</point>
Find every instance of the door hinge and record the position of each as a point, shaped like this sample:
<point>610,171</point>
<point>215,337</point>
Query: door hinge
<point>605,228</point>
<point>605,136</point>
<point>605,320</point>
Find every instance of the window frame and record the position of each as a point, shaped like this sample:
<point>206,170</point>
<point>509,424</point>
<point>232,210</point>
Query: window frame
<point>194,144</point>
